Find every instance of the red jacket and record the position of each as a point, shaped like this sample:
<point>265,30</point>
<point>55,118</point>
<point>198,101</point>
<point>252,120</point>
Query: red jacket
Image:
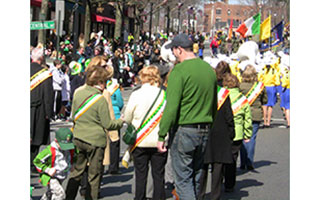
<point>214,42</point>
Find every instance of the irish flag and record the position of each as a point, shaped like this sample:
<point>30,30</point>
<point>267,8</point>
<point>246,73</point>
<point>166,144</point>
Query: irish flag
<point>250,27</point>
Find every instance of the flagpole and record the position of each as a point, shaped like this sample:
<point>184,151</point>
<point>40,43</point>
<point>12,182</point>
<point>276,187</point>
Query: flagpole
<point>270,34</point>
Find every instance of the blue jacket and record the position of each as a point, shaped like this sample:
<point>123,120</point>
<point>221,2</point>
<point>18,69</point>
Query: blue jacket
<point>117,103</point>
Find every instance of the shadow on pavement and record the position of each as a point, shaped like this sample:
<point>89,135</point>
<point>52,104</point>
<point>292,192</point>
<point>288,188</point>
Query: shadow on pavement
<point>238,192</point>
<point>257,165</point>
<point>115,190</point>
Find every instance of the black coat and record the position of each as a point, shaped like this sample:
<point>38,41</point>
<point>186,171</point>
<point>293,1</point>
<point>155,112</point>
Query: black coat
<point>41,109</point>
<point>218,149</point>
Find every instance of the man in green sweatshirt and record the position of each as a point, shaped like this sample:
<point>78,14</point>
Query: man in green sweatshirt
<point>192,105</point>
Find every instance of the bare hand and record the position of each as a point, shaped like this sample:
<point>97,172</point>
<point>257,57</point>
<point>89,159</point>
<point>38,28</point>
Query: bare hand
<point>246,140</point>
<point>161,147</point>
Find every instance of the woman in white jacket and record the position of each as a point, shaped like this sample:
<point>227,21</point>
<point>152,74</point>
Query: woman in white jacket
<point>145,148</point>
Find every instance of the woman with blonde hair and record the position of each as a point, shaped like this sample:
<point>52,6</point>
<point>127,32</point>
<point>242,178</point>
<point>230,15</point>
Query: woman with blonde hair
<point>144,111</point>
<point>257,96</point>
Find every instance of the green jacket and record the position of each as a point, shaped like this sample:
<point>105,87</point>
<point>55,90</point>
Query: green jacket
<point>242,119</point>
<point>46,159</point>
<point>91,126</point>
<point>256,106</point>
<point>191,95</point>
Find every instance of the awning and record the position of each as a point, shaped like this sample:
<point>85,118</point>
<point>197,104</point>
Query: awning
<point>99,18</point>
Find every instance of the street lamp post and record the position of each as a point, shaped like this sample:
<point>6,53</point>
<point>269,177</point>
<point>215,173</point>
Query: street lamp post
<point>179,7</point>
<point>150,24</point>
<point>75,27</point>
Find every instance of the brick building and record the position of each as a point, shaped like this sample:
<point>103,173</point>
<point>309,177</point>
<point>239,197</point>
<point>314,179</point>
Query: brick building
<point>218,15</point>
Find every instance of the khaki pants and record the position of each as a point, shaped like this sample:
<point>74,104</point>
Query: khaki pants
<point>92,156</point>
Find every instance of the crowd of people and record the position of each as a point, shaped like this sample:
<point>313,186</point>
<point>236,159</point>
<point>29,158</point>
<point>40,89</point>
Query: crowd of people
<point>189,111</point>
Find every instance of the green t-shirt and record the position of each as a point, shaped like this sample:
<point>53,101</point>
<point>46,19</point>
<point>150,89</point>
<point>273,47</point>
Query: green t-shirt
<point>191,95</point>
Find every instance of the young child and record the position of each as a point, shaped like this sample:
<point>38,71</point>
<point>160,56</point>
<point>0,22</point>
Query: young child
<point>54,164</point>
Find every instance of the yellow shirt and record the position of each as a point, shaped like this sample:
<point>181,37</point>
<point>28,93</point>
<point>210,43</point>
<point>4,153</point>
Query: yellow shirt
<point>195,48</point>
<point>234,67</point>
<point>285,79</point>
<point>271,77</point>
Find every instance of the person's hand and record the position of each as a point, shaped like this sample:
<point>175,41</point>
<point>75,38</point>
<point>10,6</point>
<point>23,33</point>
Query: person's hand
<point>246,140</point>
<point>50,171</point>
<point>161,147</point>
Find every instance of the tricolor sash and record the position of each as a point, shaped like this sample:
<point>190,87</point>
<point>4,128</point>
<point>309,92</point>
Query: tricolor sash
<point>39,77</point>
<point>254,92</point>
<point>223,94</point>
<point>112,86</point>
<point>86,104</point>
<point>238,103</point>
<point>147,127</point>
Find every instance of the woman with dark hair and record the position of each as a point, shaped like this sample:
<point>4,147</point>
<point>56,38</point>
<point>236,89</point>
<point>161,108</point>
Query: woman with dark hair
<point>91,117</point>
<point>257,96</point>
<point>243,127</point>
<point>218,150</point>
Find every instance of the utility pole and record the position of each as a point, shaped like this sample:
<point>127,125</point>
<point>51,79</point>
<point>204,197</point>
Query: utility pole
<point>179,7</point>
<point>168,20</point>
<point>150,23</point>
<point>75,27</point>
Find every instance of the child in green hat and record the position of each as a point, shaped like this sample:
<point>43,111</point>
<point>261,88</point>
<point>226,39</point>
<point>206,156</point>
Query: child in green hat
<point>54,163</point>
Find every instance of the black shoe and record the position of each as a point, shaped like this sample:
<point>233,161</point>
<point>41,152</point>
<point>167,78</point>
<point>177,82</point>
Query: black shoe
<point>250,168</point>
<point>243,167</point>
<point>228,190</point>
<point>115,172</point>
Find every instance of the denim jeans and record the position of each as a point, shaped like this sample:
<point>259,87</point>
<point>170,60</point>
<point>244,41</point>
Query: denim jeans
<point>187,153</point>
<point>247,149</point>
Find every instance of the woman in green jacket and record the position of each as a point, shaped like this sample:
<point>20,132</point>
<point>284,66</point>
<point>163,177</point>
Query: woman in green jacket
<point>243,126</point>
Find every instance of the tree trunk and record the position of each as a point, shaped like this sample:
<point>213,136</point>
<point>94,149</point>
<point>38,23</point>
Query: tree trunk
<point>137,23</point>
<point>87,23</point>
<point>43,16</point>
<point>118,25</point>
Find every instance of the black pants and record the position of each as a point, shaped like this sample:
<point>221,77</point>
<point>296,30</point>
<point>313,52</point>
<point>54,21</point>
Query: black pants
<point>216,181</point>
<point>114,156</point>
<point>141,158</point>
<point>57,102</point>
<point>231,169</point>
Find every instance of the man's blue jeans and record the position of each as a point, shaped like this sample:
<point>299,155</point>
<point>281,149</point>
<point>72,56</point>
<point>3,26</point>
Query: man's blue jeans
<point>247,149</point>
<point>187,153</point>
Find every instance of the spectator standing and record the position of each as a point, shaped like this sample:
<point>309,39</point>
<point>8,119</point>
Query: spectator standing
<point>257,96</point>
<point>90,138</point>
<point>192,105</point>
<point>148,101</point>
<point>219,147</point>
<point>243,127</point>
<point>41,102</point>
<point>57,79</point>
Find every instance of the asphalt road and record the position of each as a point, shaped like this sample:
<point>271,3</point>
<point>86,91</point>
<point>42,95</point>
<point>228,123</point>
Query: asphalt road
<point>269,181</point>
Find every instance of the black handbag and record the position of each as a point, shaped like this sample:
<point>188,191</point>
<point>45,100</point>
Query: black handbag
<point>130,135</point>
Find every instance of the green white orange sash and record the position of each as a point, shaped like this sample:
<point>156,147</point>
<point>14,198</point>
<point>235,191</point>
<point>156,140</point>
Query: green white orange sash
<point>39,77</point>
<point>238,103</point>
<point>147,127</point>
<point>112,86</point>
<point>222,96</point>
<point>254,92</point>
<point>85,105</point>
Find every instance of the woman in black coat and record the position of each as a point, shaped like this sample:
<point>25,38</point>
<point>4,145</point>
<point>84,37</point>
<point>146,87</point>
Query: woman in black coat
<point>218,150</point>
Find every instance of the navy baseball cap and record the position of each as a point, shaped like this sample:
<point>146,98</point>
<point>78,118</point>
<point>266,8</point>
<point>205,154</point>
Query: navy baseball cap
<point>181,40</point>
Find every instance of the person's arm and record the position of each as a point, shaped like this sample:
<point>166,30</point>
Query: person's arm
<point>247,123</point>
<point>130,108</point>
<point>48,97</point>
<point>104,115</point>
<point>41,164</point>
<point>228,116</point>
<point>170,113</point>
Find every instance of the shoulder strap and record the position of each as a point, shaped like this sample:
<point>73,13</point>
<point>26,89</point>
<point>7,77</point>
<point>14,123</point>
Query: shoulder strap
<point>150,108</point>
